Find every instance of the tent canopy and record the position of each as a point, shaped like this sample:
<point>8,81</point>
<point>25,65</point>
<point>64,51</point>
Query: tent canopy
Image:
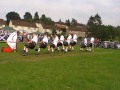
<point>7,28</point>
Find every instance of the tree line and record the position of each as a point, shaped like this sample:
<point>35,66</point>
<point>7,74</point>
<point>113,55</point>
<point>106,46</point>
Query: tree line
<point>104,32</point>
<point>94,24</point>
<point>29,18</point>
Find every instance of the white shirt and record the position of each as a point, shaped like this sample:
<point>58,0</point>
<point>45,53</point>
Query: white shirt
<point>92,40</point>
<point>12,40</point>
<point>75,38</point>
<point>55,41</point>
<point>69,39</point>
<point>45,39</point>
<point>62,39</point>
<point>35,39</point>
<point>85,41</point>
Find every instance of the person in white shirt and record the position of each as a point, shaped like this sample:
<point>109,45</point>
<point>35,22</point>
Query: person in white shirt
<point>67,42</point>
<point>31,44</point>
<point>60,43</point>
<point>91,44</point>
<point>12,40</point>
<point>73,41</point>
<point>54,44</point>
<point>83,44</point>
<point>43,43</point>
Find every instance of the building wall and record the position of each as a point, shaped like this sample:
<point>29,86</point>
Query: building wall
<point>58,31</point>
<point>40,27</point>
<point>78,33</point>
<point>48,30</point>
<point>1,26</point>
<point>21,28</point>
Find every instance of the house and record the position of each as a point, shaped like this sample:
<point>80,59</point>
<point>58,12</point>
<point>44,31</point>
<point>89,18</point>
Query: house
<point>23,26</point>
<point>51,29</point>
<point>79,29</point>
<point>2,23</point>
<point>63,28</point>
<point>43,27</point>
<point>40,27</point>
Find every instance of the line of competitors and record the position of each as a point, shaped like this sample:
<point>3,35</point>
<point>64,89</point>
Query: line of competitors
<point>54,42</point>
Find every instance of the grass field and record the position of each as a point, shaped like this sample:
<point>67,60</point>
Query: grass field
<point>75,70</point>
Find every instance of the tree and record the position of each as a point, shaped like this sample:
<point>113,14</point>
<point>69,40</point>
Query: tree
<point>94,26</point>
<point>49,20</point>
<point>43,18</point>
<point>96,20</point>
<point>90,21</point>
<point>103,33</point>
<point>28,17</point>
<point>73,22</point>
<point>46,20</point>
<point>68,22</point>
<point>36,16</point>
<point>117,31</point>
<point>12,16</point>
<point>60,21</point>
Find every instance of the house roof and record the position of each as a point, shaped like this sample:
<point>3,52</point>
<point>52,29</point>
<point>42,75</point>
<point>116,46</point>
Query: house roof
<point>61,23</point>
<point>78,28</point>
<point>2,22</point>
<point>53,27</point>
<point>23,23</point>
<point>61,26</point>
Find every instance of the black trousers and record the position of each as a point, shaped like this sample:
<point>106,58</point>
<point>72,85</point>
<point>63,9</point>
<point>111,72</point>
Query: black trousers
<point>31,45</point>
<point>72,43</point>
<point>43,45</point>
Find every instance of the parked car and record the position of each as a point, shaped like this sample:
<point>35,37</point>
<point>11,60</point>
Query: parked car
<point>117,45</point>
<point>108,44</point>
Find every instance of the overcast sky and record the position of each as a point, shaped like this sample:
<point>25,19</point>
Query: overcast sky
<point>81,10</point>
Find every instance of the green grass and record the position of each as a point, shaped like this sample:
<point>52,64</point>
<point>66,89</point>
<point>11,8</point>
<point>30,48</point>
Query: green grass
<point>60,71</point>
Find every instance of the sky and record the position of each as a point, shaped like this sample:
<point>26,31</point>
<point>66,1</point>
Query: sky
<point>81,10</point>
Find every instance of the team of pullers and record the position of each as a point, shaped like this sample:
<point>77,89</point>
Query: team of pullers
<point>54,42</point>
